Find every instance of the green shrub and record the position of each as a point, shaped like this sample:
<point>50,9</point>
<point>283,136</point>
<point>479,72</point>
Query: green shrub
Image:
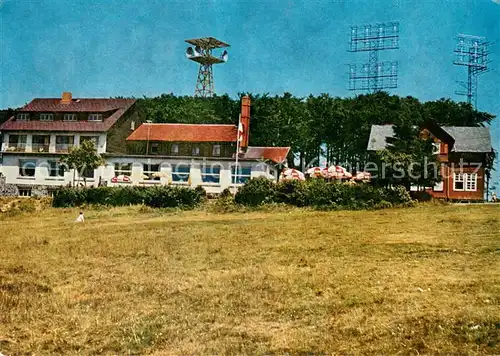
<point>397,195</point>
<point>201,192</point>
<point>225,202</point>
<point>157,196</point>
<point>256,191</point>
<point>69,197</point>
<point>383,205</point>
<point>226,193</point>
<point>421,195</point>
<point>291,192</point>
<point>321,194</point>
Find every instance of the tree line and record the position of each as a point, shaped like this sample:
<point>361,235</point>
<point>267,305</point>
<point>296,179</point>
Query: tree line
<point>335,128</point>
<point>315,126</point>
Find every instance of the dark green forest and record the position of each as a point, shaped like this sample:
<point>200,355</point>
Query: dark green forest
<point>337,128</point>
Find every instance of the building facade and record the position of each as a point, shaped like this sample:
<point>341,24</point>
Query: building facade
<point>36,137</point>
<point>462,152</point>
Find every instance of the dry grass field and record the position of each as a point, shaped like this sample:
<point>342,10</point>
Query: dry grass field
<point>135,280</point>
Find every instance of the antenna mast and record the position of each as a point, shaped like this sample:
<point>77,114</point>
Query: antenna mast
<point>471,52</point>
<point>374,75</point>
<point>202,54</point>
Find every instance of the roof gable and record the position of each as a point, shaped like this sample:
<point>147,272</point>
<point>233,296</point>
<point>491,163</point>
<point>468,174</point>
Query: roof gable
<point>378,136</point>
<point>275,154</point>
<point>466,138</point>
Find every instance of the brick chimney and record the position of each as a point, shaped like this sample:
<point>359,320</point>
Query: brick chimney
<point>245,120</point>
<point>66,97</point>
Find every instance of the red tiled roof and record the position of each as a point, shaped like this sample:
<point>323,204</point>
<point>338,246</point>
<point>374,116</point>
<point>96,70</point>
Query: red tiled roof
<point>84,105</point>
<point>184,132</point>
<point>76,105</point>
<point>275,154</point>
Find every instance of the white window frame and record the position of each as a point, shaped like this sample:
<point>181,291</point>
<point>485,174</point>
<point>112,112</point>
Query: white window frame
<point>210,174</point>
<point>175,149</point>
<point>23,117</point>
<point>19,145</point>
<point>56,170</point>
<point>458,178</point>
<point>216,150</point>
<point>25,192</point>
<point>69,117</point>
<point>471,182</point>
<point>40,147</point>
<point>121,169</point>
<point>21,167</point>
<point>46,117</point>
<point>176,172</point>
<point>195,151</point>
<point>65,146</point>
<point>236,173</point>
<point>95,117</point>
<point>151,174</point>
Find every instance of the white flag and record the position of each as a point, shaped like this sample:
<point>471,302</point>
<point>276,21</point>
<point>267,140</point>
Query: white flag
<point>240,132</point>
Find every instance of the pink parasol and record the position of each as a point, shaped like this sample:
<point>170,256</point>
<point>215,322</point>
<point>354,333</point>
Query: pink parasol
<point>363,176</point>
<point>339,172</point>
<point>292,173</point>
<point>318,172</point>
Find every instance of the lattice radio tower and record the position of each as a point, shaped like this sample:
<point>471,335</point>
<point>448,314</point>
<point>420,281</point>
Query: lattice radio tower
<point>202,54</point>
<point>471,52</point>
<point>374,75</point>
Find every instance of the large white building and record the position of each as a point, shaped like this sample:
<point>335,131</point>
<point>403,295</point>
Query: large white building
<point>36,137</point>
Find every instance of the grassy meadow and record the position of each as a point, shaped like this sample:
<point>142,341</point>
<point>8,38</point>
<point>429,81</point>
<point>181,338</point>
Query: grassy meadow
<point>423,280</point>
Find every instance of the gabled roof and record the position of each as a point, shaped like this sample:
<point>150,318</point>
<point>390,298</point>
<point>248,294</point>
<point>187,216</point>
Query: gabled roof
<point>76,105</point>
<point>378,136</point>
<point>275,154</point>
<point>466,138</point>
<point>184,132</point>
<point>119,106</point>
<point>470,139</point>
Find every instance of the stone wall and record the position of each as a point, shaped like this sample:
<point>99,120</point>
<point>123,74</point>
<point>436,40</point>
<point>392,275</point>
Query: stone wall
<point>39,191</point>
<point>7,190</point>
<point>12,190</point>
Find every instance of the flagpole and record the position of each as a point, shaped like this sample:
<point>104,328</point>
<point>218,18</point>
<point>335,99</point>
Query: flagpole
<point>237,152</point>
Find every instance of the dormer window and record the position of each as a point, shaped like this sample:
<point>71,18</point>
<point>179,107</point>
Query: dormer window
<point>23,117</point>
<point>95,117</point>
<point>69,117</point>
<point>46,117</point>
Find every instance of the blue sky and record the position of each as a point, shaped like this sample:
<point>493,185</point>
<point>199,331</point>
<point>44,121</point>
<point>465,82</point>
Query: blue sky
<point>103,48</point>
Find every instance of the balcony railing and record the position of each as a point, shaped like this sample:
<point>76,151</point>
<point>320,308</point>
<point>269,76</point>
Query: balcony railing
<point>15,147</point>
<point>39,147</point>
<point>64,147</point>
